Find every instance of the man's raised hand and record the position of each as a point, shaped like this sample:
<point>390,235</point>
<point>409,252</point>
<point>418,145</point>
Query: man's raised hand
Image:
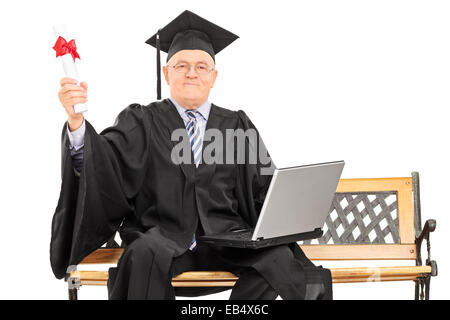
<point>71,94</point>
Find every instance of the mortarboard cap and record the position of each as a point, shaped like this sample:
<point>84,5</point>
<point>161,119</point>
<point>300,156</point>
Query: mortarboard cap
<point>188,31</point>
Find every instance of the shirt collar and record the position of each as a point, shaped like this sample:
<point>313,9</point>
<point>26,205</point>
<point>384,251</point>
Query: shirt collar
<point>204,109</point>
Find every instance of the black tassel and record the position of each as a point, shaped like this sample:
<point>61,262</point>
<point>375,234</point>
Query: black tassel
<point>158,68</point>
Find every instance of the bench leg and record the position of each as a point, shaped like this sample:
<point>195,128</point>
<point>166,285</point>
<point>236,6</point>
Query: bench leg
<point>73,294</point>
<point>416,295</point>
<point>422,289</point>
<point>427,287</point>
<point>74,284</point>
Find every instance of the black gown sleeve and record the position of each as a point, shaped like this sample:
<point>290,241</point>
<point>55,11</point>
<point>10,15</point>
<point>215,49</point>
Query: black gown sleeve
<point>253,178</point>
<point>92,205</point>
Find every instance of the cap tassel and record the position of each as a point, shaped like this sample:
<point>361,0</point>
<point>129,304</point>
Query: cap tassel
<point>158,67</point>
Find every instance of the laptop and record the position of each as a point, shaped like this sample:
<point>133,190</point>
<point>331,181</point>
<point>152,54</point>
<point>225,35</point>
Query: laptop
<point>295,208</point>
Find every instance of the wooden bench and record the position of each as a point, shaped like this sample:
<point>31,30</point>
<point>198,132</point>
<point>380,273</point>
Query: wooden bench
<point>370,219</point>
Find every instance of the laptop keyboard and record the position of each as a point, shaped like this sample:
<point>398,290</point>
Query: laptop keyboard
<point>242,235</point>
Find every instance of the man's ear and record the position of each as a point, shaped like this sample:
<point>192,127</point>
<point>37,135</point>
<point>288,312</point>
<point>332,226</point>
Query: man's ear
<point>214,77</point>
<point>166,74</point>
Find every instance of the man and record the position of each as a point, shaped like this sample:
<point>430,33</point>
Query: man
<point>126,179</point>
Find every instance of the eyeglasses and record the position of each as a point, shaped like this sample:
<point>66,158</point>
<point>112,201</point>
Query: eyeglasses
<point>199,68</point>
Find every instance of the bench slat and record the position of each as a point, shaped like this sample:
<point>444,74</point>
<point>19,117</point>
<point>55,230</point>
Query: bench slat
<point>313,252</point>
<point>103,256</point>
<point>374,184</point>
<point>383,279</point>
<point>227,279</point>
<point>360,251</point>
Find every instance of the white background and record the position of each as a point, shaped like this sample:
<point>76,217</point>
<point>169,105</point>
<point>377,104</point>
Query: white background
<point>363,81</point>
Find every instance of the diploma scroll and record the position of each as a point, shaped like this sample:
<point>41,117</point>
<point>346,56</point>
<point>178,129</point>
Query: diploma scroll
<point>66,50</point>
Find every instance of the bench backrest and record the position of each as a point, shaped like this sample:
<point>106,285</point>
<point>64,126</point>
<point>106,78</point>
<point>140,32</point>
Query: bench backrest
<point>370,219</point>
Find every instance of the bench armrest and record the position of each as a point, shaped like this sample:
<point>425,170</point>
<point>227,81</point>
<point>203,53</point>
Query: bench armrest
<point>430,226</point>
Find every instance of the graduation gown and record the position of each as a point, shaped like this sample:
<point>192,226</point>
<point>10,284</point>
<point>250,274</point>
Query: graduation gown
<point>129,182</point>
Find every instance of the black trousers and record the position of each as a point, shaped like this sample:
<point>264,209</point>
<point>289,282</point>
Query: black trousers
<point>263,273</point>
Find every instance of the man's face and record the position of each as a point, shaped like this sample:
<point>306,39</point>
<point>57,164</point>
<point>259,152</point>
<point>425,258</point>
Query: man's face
<point>190,89</point>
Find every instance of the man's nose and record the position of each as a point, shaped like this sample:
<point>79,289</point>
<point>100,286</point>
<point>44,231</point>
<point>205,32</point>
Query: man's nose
<point>191,73</point>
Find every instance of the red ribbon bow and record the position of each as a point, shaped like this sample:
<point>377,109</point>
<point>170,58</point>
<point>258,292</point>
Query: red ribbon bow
<point>63,47</point>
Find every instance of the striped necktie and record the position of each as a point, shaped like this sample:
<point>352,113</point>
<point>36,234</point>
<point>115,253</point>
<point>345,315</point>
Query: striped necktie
<point>193,129</point>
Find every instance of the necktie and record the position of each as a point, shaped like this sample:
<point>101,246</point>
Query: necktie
<point>193,129</point>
